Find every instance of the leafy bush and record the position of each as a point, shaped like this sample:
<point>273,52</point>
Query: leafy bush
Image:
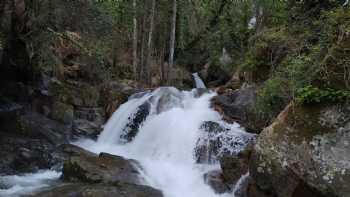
<point>311,94</point>
<point>272,98</point>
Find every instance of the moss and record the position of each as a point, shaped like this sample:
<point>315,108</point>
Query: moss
<point>62,112</point>
<point>301,124</point>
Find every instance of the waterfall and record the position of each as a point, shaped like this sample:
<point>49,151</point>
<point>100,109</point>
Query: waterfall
<point>198,81</point>
<point>165,139</point>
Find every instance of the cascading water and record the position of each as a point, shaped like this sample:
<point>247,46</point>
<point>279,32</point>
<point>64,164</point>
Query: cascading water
<point>17,185</point>
<point>198,81</point>
<point>166,140</point>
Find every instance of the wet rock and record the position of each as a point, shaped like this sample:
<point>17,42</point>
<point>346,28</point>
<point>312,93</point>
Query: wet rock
<point>216,181</point>
<point>22,154</point>
<point>117,189</point>
<point>200,92</point>
<point>103,168</point>
<point>169,98</point>
<point>132,127</point>
<point>237,106</point>
<point>305,152</point>
<point>235,166</point>
<point>219,140</point>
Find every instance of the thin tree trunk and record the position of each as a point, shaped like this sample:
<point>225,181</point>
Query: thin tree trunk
<point>161,63</point>
<point>134,44</point>
<point>149,45</point>
<point>172,37</point>
<point>142,53</point>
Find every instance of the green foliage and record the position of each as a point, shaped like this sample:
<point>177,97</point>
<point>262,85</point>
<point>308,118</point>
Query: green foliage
<point>273,97</point>
<point>311,94</point>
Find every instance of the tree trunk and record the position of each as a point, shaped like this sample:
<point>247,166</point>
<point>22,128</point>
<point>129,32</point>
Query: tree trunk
<point>149,45</point>
<point>134,43</point>
<point>172,37</point>
<point>142,53</point>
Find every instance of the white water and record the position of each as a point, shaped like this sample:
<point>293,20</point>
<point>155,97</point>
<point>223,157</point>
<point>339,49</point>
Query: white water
<point>199,82</point>
<point>165,142</point>
<point>16,185</point>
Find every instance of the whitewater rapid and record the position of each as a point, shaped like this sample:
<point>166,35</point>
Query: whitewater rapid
<point>165,143</point>
<point>17,185</point>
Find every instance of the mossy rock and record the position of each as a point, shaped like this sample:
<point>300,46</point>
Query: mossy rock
<point>306,147</point>
<point>62,112</point>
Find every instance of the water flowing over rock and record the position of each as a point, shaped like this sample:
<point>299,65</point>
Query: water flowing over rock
<point>198,81</point>
<point>218,140</point>
<point>166,140</point>
<point>216,181</point>
<point>305,152</point>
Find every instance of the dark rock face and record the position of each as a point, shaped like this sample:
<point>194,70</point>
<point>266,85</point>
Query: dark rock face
<point>305,152</point>
<point>103,168</point>
<point>131,129</point>
<point>88,121</point>
<point>216,181</point>
<point>214,75</point>
<point>101,190</point>
<point>254,191</point>
<point>235,166</point>
<point>31,144</point>
<point>238,106</point>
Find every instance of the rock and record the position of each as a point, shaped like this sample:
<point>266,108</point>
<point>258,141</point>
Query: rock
<point>305,152</point>
<point>22,154</point>
<point>29,141</point>
<point>218,140</point>
<point>238,106</point>
<point>215,180</point>
<point>100,190</point>
<point>88,121</point>
<point>254,191</point>
<point>215,75</point>
<point>103,168</point>
<point>62,112</point>
<point>86,128</point>
<point>113,94</point>
<point>132,127</point>
<point>241,186</point>
<point>9,114</point>
<point>36,125</point>
<point>169,98</point>
<point>235,166</point>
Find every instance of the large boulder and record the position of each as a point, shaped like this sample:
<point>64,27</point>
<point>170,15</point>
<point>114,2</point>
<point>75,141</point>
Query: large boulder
<point>103,168</point>
<point>100,190</point>
<point>305,152</point>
